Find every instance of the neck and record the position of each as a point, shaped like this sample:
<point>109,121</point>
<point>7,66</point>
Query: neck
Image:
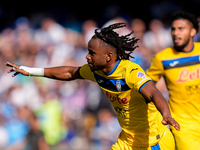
<point>189,47</point>
<point>186,48</point>
<point>110,66</point>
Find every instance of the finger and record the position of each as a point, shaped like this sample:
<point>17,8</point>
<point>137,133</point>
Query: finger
<point>9,71</point>
<point>177,126</point>
<point>16,73</point>
<point>174,124</point>
<point>9,64</point>
<point>12,65</point>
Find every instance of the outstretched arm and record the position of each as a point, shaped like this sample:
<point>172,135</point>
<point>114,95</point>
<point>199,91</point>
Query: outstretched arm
<point>151,93</point>
<point>66,73</point>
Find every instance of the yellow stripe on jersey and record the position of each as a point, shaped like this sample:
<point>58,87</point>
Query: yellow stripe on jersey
<point>140,121</point>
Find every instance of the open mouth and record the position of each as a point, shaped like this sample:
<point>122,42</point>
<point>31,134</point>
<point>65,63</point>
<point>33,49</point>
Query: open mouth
<point>177,40</point>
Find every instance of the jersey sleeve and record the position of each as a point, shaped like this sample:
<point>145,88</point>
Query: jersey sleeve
<point>156,70</point>
<point>86,73</point>
<point>137,78</point>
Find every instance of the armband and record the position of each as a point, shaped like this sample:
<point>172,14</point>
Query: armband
<point>37,72</point>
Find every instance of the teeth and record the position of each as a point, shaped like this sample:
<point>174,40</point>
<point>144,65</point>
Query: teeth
<point>177,39</point>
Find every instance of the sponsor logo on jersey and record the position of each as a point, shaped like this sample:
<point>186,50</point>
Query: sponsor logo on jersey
<point>115,98</point>
<point>133,69</point>
<point>100,81</point>
<point>187,75</point>
<point>174,63</point>
<point>120,111</point>
<point>192,89</point>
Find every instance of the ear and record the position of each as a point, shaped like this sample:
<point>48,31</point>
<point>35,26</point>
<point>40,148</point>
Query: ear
<point>109,56</point>
<point>193,32</point>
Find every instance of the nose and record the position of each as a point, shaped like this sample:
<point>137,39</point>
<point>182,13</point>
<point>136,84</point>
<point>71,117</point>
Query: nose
<point>174,32</point>
<point>88,56</point>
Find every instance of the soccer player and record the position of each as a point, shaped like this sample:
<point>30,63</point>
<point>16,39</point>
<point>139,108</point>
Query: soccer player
<point>142,111</point>
<point>180,66</point>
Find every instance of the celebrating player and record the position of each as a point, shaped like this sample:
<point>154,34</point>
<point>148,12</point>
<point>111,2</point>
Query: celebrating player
<point>141,109</point>
<point>180,66</point>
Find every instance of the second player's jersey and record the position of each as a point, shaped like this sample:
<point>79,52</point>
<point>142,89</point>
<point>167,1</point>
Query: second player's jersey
<point>181,71</point>
<point>140,120</point>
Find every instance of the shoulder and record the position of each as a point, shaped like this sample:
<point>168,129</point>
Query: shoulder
<point>131,68</point>
<point>197,45</point>
<point>85,67</point>
<point>128,67</point>
<point>165,53</point>
<point>135,76</point>
<point>128,64</point>
<point>157,60</point>
<point>86,73</point>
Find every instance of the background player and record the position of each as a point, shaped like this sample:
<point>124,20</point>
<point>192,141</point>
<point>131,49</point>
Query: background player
<point>181,69</point>
<point>131,92</point>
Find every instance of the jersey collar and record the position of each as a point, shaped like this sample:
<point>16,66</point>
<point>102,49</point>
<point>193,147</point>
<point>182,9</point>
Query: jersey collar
<point>117,64</point>
<point>190,50</point>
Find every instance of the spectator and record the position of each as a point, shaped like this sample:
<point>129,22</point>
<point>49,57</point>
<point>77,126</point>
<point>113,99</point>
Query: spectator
<point>35,138</point>
<point>157,38</point>
<point>139,28</point>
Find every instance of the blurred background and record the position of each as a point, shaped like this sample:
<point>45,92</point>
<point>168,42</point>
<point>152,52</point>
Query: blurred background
<point>44,114</point>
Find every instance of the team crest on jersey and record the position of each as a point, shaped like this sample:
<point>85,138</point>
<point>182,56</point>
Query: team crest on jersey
<point>118,85</point>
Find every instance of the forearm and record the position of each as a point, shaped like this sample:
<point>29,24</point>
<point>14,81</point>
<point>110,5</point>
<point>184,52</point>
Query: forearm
<point>61,73</point>
<point>161,104</point>
<point>151,93</point>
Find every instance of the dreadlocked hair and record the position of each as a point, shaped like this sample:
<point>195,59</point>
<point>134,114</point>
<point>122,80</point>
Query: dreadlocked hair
<point>124,45</point>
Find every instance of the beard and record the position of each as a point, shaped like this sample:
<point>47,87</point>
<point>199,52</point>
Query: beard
<point>180,48</point>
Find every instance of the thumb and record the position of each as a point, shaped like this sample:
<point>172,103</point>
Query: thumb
<point>164,122</point>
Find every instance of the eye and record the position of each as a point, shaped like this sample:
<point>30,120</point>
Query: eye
<point>172,29</point>
<point>180,28</point>
<point>91,52</point>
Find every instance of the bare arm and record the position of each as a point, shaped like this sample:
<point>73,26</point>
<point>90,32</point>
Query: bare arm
<point>62,73</point>
<point>151,93</point>
<point>66,73</point>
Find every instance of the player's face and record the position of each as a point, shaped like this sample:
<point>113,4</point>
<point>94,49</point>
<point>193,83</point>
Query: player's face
<point>181,33</point>
<point>96,56</point>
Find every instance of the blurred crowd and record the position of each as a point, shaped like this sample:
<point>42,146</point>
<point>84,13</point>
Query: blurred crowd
<point>43,114</point>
